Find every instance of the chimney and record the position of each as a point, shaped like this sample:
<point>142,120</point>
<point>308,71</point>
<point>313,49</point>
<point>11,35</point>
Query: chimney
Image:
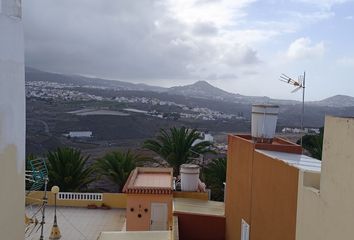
<point>264,122</point>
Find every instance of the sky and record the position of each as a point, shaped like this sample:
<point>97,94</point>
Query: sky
<point>241,46</point>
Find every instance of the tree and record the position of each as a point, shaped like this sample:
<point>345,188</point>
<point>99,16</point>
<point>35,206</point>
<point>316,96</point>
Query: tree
<point>68,169</point>
<point>215,176</point>
<point>116,166</point>
<point>177,146</point>
<point>313,144</point>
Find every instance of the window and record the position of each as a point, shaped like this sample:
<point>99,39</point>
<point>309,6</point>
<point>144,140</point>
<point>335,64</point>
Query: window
<point>245,230</point>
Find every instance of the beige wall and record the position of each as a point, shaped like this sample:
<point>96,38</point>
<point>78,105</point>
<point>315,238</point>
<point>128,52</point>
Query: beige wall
<point>139,202</point>
<point>12,122</point>
<point>327,213</point>
<point>113,200</point>
<point>193,195</point>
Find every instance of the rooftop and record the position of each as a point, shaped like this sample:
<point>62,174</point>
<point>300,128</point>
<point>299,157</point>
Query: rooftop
<point>198,207</point>
<point>150,181</point>
<point>79,223</point>
<point>278,144</point>
<point>302,162</point>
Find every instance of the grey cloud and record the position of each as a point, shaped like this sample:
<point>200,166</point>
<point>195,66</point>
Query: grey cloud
<point>205,29</point>
<point>238,55</point>
<point>119,39</point>
<point>224,76</point>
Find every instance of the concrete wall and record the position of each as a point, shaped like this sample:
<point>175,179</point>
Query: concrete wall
<point>193,195</point>
<point>274,199</point>
<point>137,203</point>
<point>12,121</point>
<point>260,190</point>
<point>328,212</point>
<point>113,200</point>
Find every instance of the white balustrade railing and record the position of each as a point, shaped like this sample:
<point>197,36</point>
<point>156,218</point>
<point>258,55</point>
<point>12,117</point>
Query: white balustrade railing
<point>80,196</point>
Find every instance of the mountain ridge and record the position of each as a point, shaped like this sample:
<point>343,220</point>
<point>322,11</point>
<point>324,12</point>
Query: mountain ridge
<point>199,89</point>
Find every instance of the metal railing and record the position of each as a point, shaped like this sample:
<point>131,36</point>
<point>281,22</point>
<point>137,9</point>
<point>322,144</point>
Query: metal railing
<point>80,196</point>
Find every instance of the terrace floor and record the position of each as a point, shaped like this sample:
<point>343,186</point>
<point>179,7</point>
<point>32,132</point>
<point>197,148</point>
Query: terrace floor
<point>79,223</point>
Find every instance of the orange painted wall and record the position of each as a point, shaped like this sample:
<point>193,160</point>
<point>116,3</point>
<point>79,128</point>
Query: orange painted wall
<point>260,190</point>
<point>238,185</point>
<point>140,202</point>
<point>274,199</point>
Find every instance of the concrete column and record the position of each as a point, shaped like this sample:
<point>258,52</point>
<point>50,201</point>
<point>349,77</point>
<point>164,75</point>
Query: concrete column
<point>12,121</point>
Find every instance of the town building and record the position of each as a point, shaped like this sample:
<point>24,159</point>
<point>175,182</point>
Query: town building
<point>80,134</point>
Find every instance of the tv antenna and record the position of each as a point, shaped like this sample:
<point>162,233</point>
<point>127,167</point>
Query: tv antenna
<point>298,84</point>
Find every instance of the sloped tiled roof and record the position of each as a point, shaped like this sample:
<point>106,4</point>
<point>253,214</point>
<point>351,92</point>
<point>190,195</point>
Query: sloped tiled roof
<point>149,181</point>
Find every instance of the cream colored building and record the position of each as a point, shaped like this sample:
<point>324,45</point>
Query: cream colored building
<point>326,200</point>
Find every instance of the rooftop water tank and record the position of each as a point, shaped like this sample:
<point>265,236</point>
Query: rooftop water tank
<point>264,122</point>
<point>189,177</point>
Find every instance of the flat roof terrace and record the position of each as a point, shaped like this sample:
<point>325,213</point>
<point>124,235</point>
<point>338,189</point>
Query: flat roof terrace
<point>300,161</point>
<point>79,223</point>
<point>198,207</point>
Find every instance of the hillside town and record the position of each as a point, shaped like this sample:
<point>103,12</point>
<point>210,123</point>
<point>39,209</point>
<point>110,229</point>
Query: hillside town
<point>70,92</point>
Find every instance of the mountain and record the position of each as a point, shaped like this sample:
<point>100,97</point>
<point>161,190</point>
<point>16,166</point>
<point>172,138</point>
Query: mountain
<point>202,89</point>
<point>199,89</point>
<point>335,101</point>
<point>81,81</point>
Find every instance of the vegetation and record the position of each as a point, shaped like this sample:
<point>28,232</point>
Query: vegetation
<point>68,169</point>
<point>116,166</point>
<point>176,146</point>
<point>313,144</point>
<point>215,176</point>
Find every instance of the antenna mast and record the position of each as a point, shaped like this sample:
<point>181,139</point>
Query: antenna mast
<point>300,83</point>
<point>303,106</point>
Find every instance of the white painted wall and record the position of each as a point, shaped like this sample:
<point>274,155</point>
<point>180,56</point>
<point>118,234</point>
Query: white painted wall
<point>12,121</point>
<point>326,211</point>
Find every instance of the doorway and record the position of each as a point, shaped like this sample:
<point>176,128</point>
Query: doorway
<point>159,217</point>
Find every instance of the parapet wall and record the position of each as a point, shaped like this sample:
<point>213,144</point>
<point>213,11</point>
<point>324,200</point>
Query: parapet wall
<point>113,200</point>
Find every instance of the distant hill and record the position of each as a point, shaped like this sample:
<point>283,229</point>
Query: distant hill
<point>335,101</point>
<point>200,89</point>
<point>38,75</point>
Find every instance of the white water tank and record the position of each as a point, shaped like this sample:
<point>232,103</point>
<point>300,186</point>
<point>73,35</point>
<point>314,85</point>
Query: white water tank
<point>264,122</point>
<point>189,177</point>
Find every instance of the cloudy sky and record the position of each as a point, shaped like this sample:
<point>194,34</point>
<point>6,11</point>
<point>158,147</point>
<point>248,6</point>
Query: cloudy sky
<point>241,46</point>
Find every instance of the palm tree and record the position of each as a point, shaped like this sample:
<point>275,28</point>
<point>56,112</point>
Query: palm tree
<point>177,146</point>
<point>313,144</point>
<point>215,176</point>
<point>68,169</point>
<point>116,166</point>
